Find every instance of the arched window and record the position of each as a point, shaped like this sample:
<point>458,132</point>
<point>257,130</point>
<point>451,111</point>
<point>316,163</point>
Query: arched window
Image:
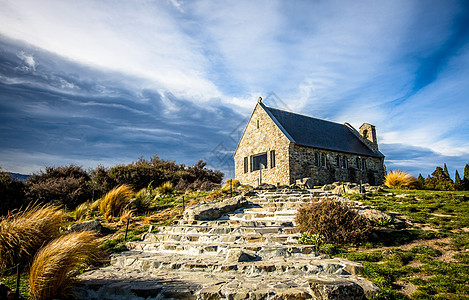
<point>316,159</point>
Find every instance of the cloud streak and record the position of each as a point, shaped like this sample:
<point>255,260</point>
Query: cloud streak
<point>176,77</point>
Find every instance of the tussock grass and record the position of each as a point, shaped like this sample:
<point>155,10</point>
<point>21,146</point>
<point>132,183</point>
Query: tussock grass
<point>166,188</point>
<point>23,232</point>
<point>50,275</point>
<point>115,201</point>
<point>401,179</point>
<point>81,211</point>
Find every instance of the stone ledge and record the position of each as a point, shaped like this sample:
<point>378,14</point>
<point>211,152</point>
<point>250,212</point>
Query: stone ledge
<point>214,210</point>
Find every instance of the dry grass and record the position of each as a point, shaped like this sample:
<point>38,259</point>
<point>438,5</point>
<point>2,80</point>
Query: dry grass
<point>81,211</point>
<point>399,179</point>
<point>115,201</point>
<point>22,233</point>
<point>166,188</point>
<point>50,275</point>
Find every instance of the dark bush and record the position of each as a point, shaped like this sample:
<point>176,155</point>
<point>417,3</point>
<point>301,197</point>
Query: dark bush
<point>68,186</point>
<point>11,193</point>
<point>334,221</point>
<point>155,171</point>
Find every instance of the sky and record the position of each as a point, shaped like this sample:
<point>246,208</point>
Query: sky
<point>106,82</point>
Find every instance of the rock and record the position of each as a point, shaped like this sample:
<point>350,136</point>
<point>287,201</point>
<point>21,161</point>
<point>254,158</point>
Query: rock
<point>4,290</point>
<point>354,269</point>
<point>238,255</point>
<point>335,289</point>
<point>305,183</point>
<point>265,186</point>
<point>92,225</point>
<point>214,210</point>
<point>211,293</point>
<point>328,187</point>
<point>373,214</point>
<point>387,253</point>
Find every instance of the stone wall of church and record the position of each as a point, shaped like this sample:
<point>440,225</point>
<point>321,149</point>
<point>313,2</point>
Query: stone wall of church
<point>292,162</point>
<point>325,166</point>
<point>263,136</point>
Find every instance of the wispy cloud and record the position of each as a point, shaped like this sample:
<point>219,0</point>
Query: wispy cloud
<point>117,74</point>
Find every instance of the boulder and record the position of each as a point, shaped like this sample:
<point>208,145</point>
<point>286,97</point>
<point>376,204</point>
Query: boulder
<point>214,210</point>
<point>238,255</point>
<point>335,289</point>
<point>92,225</point>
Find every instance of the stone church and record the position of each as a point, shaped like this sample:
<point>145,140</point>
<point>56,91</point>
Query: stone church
<point>280,147</point>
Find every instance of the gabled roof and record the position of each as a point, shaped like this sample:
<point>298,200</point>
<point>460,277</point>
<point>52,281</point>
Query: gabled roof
<point>316,133</point>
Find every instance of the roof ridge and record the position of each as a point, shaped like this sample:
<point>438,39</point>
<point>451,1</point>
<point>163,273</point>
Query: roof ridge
<point>293,113</point>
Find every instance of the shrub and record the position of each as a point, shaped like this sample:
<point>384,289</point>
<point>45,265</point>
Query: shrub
<point>334,221</point>
<point>50,276</point>
<point>115,201</point>
<point>166,188</point>
<point>143,199</point>
<point>24,232</point>
<point>399,179</point>
<point>68,186</point>
<point>11,193</point>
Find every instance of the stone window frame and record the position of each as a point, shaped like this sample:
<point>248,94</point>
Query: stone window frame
<point>344,162</point>
<point>323,160</point>
<point>317,161</point>
<point>361,163</point>
<point>253,158</point>
<point>246,164</point>
<point>272,159</point>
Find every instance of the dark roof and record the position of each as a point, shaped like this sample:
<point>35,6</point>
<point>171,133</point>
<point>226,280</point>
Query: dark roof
<point>312,132</point>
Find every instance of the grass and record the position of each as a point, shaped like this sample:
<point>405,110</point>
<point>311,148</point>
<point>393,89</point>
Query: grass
<point>417,255</point>
<point>50,274</point>
<point>22,233</point>
<point>399,179</point>
<point>115,201</point>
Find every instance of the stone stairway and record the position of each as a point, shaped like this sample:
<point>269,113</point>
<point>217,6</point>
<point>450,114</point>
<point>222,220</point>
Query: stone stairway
<point>249,253</point>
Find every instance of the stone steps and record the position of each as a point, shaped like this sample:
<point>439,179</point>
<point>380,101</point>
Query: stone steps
<point>250,252</point>
<point>298,265</point>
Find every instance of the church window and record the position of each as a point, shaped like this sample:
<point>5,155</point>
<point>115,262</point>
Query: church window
<point>246,164</point>
<point>259,161</point>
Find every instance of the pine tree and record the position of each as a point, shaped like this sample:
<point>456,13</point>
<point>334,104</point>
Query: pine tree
<point>421,180</point>
<point>458,183</point>
<point>466,177</point>
<point>445,170</point>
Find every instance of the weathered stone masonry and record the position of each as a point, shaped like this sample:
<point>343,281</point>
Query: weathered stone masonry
<point>266,141</point>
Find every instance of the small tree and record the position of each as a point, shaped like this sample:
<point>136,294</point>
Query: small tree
<point>421,180</point>
<point>466,177</point>
<point>458,183</point>
<point>445,170</point>
<point>439,181</point>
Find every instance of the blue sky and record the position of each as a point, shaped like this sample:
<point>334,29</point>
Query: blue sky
<point>105,82</point>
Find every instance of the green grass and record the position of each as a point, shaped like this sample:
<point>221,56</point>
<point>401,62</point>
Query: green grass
<point>446,213</point>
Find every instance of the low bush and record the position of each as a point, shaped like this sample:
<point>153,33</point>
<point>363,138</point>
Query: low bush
<point>334,221</point>
<point>68,186</point>
<point>143,199</point>
<point>115,201</point>
<point>12,193</point>
<point>24,232</point>
<point>50,276</point>
<point>399,179</point>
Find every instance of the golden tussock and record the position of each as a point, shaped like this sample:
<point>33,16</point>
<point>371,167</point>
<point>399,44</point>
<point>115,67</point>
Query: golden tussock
<point>50,275</point>
<point>400,179</point>
<point>115,201</point>
<point>23,232</point>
